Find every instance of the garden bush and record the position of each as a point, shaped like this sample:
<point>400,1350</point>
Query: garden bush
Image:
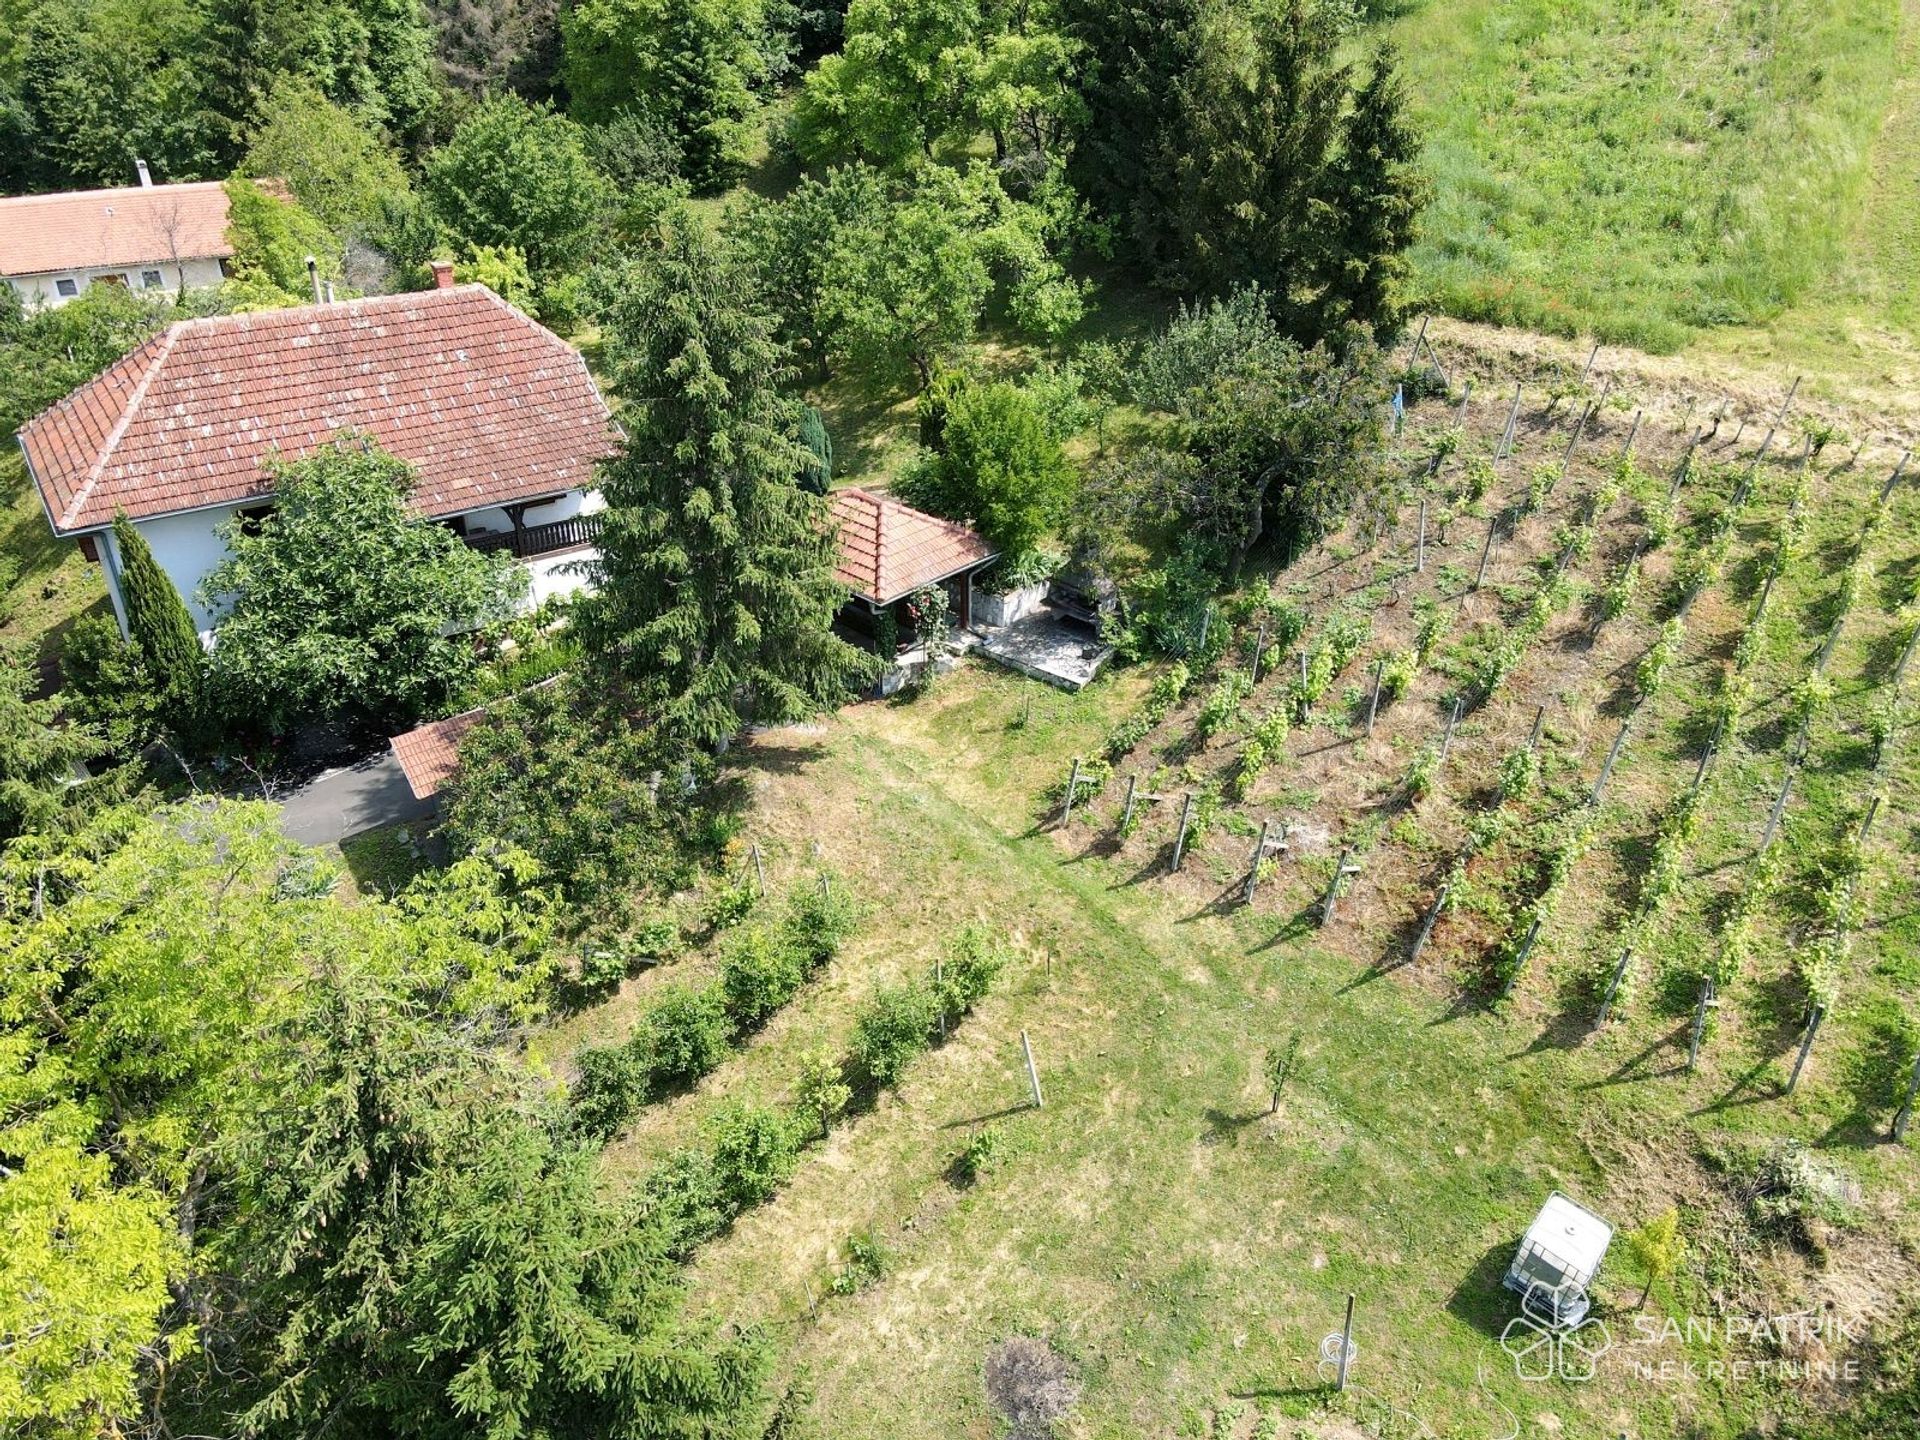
<point>685,1035</point>
<point>761,969</point>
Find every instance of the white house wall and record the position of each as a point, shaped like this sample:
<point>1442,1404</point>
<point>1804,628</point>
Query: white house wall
<point>187,548</point>
<point>44,290</point>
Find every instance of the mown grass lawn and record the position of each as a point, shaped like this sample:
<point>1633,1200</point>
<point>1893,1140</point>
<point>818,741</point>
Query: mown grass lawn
<point>50,585</point>
<point>1638,169</point>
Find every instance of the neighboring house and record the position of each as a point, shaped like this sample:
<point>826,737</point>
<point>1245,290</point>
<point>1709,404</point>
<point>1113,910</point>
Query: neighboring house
<point>497,415</point>
<point>890,552</point>
<point>144,237</point>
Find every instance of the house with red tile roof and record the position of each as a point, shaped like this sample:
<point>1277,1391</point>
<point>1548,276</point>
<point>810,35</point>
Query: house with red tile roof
<point>144,237</point>
<point>890,552</point>
<point>497,415</point>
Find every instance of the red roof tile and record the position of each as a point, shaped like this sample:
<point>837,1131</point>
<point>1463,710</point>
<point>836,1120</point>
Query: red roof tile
<point>889,550</point>
<point>429,755</point>
<point>487,406</point>
<point>86,229</point>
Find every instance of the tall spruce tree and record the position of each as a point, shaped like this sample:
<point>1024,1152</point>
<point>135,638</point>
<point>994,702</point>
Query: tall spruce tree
<point>1378,195</point>
<point>158,623</point>
<point>716,573</point>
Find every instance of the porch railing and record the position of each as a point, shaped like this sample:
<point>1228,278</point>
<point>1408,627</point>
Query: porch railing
<point>534,540</point>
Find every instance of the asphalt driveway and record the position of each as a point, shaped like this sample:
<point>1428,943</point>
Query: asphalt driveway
<point>341,803</point>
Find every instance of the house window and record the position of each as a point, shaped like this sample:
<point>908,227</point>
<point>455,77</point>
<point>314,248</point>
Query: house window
<point>150,280</point>
<point>119,280</point>
<point>66,289</point>
<point>251,517</point>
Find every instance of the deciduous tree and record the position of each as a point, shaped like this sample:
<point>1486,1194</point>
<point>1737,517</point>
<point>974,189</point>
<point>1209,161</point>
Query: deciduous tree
<point>518,174</point>
<point>346,604</point>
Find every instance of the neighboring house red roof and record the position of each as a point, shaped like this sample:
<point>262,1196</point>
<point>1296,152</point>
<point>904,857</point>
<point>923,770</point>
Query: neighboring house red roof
<point>88,229</point>
<point>488,406</point>
<point>889,550</point>
<point>429,755</point>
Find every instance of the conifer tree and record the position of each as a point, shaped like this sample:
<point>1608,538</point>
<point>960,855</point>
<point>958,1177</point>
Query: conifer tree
<point>716,575</point>
<point>1378,194</point>
<point>158,623</point>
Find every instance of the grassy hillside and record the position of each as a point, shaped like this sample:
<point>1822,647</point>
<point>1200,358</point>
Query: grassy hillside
<point>1184,1247</point>
<point>47,585</point>
<point>1636,169</point>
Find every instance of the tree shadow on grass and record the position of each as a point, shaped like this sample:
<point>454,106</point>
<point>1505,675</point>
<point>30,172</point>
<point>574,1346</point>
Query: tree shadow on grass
<point>1480,1300</point>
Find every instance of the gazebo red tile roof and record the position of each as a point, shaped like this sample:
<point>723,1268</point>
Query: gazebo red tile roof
<point>429,755</point>
<point>488,406</point>
<point>129,225</point>
<point>889,550</point>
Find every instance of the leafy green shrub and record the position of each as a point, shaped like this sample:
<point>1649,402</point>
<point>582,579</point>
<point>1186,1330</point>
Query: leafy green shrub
<point>615,1081</point>
<point>1480,477</point>
<point>1223,703</point>
<point>1618,596</point>
<point>1264,746</point>
<point>1397,675</point>
<point>868,1263</point>
<point>1519,773</point>
<point>729,905</point>
<point>1432,620</point>
<point>761,969</point>
<point>822,1091</point>
<point>686,1034</point>
<point>893,1027</point>
<point>1422,773</point>
<point>977,956</point>
<point>818,920</point>
<point>1539,483</point>
<point>985,1150</point>
<point>1651,672</point>
<point>754,1151</point>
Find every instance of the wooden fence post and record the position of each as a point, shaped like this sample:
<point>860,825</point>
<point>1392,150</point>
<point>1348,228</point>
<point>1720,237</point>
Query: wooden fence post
<point>1505,448</point>
<point>1592,355</point>
<point>1539,724</point>
<point>1633,435</point>
<point>1699,1024</point>
<point>1180,840</point>
<point>1613,755</point>
<point>1520,960</point>
<point>1613,988</point>
<point>1779,809</point>
<point>1414,353</point>
<point>1373,706</point>
<point>1126,817</point>
<point>759,870</point>
<point>1486,551</point>
<point>1787,405</point>
<point>1426,926</point>
<point>1033,1074</point>
<point>1333,889</point>
<point>1073,784</point>
<point>1446,740</point>
<point>1420,547</point>
<point>1346,1345</point>
<point>1253,868</point>
<point>1259,649</point>
<point>1573,442</point>
<point>1806,1046</point>
<point>1465,396</point>
<point>1886,490</point>
<point>1906,1109</point>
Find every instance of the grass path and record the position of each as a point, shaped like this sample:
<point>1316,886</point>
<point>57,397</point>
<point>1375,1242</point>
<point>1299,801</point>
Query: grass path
<point>1855,333</point>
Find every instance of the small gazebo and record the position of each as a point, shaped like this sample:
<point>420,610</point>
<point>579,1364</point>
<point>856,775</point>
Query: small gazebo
<point>890,552</point>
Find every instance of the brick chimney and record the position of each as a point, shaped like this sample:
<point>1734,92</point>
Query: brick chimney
<point>146,175</point>
<point>443,274</point>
